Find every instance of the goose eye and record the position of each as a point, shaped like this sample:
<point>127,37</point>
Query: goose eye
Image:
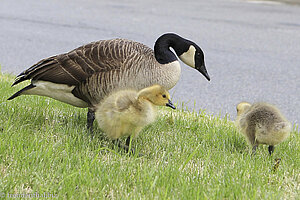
<point>164,96</point>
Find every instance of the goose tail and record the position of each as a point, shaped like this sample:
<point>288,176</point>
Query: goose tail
<point>21,91</point>
<point>21,77</point>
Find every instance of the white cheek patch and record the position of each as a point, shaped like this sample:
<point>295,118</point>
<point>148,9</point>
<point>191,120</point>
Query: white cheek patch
<point>189,56</point>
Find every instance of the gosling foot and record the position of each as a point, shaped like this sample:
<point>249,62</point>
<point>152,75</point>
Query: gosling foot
<point>271,149</point>
<point>126,147</point>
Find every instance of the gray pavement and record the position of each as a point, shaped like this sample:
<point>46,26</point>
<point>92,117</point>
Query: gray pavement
<point>252,50</point>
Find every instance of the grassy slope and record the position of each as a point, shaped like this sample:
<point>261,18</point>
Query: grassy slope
<point>44,147</point>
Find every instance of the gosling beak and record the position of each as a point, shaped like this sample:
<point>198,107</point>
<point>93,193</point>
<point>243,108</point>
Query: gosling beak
<point>203,71</point>
<point>170,104</point>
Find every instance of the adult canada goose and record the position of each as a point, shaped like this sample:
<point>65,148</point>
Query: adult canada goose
<point>127,112</point>
<point>83,76</point>
<point>262,123</point>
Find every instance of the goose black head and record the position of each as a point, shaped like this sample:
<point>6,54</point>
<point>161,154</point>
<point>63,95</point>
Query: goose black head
<point>192,55</point>
<point>189,52</point>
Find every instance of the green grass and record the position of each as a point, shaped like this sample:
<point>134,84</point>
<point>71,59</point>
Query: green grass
<point>45,148</point>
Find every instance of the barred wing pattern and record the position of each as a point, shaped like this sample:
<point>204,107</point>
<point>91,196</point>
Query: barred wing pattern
<point>93,68</point>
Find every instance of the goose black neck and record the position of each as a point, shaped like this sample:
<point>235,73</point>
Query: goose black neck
<point>162,51</point>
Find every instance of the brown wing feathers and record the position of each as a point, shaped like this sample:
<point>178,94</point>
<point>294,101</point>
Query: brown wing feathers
<point>91,68</point>
<point>70,68</point>
<point>51,69</point>
<point>33,70</point>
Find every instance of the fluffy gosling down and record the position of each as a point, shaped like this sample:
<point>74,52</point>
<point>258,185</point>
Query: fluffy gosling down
<point>262,123</point>
<point>127,112</point>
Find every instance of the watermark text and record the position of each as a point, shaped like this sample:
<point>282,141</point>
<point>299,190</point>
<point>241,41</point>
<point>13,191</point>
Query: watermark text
<point>28,195</point>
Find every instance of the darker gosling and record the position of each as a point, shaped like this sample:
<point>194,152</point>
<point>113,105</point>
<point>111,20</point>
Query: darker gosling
<point>262,123</point>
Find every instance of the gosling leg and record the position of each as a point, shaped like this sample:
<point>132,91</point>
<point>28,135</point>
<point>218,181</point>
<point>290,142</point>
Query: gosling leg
<point>132,151</point>
<point>128,141</point>
<point>251,137</point>
<point>90,120</point>
<point>254,149</point>
<point>122,146</point>
<point>126,146</point>
<point>271,149</point>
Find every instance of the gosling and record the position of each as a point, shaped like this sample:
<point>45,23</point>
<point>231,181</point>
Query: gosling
<point>262,123</point>
<point>127,112</point>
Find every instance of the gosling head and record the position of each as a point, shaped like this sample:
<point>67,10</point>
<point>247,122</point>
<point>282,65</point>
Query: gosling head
<point>157,95</point>
<point>242,107</point>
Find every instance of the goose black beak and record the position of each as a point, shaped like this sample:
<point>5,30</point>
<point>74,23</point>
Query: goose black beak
<point>170,104</point>
<point>203,71</point>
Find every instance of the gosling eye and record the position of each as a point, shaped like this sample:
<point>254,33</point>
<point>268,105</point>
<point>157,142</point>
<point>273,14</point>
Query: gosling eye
<point>164,96</point>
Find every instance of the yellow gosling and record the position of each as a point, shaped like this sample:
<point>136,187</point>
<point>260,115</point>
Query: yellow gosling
<point>127,112</point>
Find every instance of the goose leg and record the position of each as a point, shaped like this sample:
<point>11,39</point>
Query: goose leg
<point>271,149</point>
<point>90,120</point>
